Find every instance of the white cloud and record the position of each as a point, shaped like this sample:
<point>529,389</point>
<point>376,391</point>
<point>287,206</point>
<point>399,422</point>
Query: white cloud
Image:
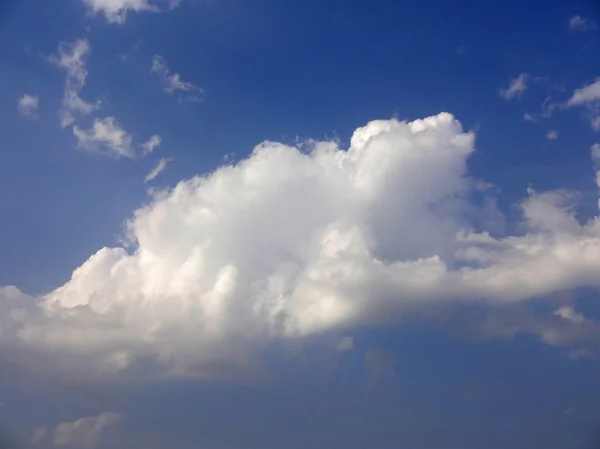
<point>38,435</point>
<point>529,117</point>
<point>28,105</point>
<point>115,11</point>
<point>290,243</point>
<point>588,97</point>
<point>172,82</point>
<point>586,94</point>
<point>552,135</point>
<point>85,432</point>
<point>105,136</point>
<point>581,24</point>
<point>160,167</point>
<point>151,144</point>
<point>516,87</point>
<point>72,58</point>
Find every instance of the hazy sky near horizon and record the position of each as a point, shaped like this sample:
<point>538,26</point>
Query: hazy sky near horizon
<point>234,224</point>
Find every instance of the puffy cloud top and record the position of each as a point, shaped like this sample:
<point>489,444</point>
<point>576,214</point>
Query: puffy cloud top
<point>294,242</point>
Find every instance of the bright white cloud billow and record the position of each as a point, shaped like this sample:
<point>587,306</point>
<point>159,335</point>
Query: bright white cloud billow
<point>115,11</point>
<point>172,82</point>
<point>290,243</point>
<point>72,58</point>
<point>84,432</point>
<point>28,105</point>
<point>516,87</point>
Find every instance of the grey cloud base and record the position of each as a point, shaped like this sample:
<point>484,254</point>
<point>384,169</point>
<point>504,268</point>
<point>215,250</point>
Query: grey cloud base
<point>293,243</point>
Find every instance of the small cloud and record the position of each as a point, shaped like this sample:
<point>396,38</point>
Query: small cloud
<point>38,435</point>
<point>28,105</point>
<point>72,57</point>
<point>529,117</point>
<point>152,143</point>
<point>115,11</point>
<point>588,97</point>
<point>85,432</point>
<point>569,314</point>
<point>172,82</point>
<point>586,94</point>
<point>160,167</point>
<point>582,24</point>
<point>552,135</point>
<point>516,87</point>
<point>105,136</point>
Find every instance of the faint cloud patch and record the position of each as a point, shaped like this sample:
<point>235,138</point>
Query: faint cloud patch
<point>38,435</point>
<point>173,83</point>
<point>515,88</point>
<point>84,432</point>
<point>580,23</point>
<point>28,105</point>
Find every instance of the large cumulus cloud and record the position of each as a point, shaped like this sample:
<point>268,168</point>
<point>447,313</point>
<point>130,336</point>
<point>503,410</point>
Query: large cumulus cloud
<point>296,242</point>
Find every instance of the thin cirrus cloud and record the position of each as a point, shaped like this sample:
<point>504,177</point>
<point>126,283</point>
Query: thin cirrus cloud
<point>516,87</point>
<point>172,82</point>
<point>115,11</point>
<point>552,135</point>
<point>28,105</point>
<point>289,244</point>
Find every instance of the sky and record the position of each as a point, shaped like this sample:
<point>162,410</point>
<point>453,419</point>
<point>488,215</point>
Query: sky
<point>234,224</point>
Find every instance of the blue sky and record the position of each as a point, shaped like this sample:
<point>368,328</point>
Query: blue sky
<point>313,223</point>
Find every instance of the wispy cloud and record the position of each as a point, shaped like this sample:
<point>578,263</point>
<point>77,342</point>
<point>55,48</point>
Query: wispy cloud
<point>72,57</point>
<point>28,105</point>
<point>529,117</point>
<point>588,97</point>
<point>38,435</point>
<point>552,135</point>
<point>582,24</point>
<point>85,432</point>
<point>586,94</point>
<point>172,82</point>
<point>516,87</point>
<point>160,167</point>
<point>151,144</point>
<point>115,11</point>
<point>105,136</point>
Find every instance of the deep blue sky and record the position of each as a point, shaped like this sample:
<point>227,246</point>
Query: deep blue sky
<point>275,70</point>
